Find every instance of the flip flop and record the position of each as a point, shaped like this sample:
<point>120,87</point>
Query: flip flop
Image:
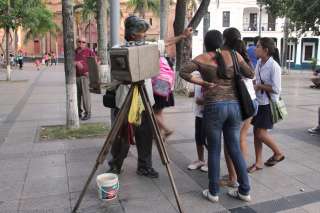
<point>254,168</point>
<point>273,161</point>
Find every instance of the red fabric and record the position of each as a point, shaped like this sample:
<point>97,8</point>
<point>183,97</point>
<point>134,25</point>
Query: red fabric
<point>130,135</point>
<point>81,56</point>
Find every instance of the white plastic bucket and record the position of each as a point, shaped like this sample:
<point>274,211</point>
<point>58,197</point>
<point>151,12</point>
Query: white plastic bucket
<point>108,186</point>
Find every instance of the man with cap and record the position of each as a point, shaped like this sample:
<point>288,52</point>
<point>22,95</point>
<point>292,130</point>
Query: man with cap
<point>135,32</point>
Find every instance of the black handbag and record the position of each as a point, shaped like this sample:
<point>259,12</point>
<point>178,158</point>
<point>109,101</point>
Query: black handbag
<point>109,98</point>
<point>246,104</point>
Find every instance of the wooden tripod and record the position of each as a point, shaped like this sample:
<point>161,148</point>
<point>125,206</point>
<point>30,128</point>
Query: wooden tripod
<point>119,121</point>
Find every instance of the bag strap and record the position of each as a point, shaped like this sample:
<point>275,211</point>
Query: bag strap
<point>262,82</point>
<point>235,63</point>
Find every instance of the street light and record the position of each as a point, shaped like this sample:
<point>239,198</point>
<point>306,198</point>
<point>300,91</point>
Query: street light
<point>260,4</point>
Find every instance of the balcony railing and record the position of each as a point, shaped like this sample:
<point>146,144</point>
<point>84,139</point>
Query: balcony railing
<point>255,27</point>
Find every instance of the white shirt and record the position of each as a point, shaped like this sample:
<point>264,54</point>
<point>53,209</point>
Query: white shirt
<point>269,73</point>
<point>197,109</point>
<point>249,84</point>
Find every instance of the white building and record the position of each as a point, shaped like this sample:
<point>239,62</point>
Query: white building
<point>245,16</point>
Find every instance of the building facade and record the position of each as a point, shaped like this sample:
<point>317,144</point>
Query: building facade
<point>53,42</point>
<point>245,16</point>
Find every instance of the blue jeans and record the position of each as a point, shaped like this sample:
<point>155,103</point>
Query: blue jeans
<point>224,117</point>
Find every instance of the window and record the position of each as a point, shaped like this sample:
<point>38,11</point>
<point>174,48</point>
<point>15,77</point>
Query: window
<point>150,21</point>
<point>291,52</point>
<point>226,19</point>
<point>253,22</point>
<point>271,23</point>
<point>308,52</point>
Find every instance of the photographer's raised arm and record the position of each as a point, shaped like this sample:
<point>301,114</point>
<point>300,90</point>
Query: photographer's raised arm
<point>171,41</point>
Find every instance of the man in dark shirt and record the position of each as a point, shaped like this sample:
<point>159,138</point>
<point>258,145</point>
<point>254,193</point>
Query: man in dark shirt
<point>82,72</point>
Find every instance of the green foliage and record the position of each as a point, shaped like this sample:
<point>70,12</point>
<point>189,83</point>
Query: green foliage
<point>304,14</point>
<point>89,9</point>
<point>314,62</point>
<point>31,15</point>
<point>277,8</point>
<point>142,6</point>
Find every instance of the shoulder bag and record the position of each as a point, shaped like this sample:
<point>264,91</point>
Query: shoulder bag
<point>246,104</point>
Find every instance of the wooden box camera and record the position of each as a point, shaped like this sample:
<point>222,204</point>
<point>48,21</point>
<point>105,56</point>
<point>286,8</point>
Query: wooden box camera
<point>134,63</point>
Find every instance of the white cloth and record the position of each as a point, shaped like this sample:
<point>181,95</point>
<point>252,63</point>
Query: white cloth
<point>270,74</point>
<point>197,109</point>
<point>123,90</point>
<point>249,84</point>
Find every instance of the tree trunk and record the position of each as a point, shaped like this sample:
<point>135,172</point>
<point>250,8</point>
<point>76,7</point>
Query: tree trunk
<point>285,45</point>
<point>179,25</point>
<point>16,39</point>
<point>70,74</point>
<point>164,4</point>
<point>102,40</point>
<point>7,31</point>
<point>206,26</point>
<point>89,33</point>
<point>184,52</point>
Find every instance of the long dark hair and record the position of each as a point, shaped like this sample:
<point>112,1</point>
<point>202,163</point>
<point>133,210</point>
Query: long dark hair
<point>213,42</point>
<point>232,41</point>
<point>242,50</point>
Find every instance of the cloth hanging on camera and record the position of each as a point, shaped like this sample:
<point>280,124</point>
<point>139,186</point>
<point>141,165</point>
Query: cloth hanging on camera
<point>136,108</point>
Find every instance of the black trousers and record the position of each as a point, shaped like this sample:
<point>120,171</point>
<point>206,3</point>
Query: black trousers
<point>143,137</point>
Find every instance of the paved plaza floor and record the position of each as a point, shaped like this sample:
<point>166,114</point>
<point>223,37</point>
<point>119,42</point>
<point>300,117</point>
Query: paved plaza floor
<point>47,177</point>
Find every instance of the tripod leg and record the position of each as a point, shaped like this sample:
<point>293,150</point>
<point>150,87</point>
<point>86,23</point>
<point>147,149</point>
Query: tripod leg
<point>120,119</point>
<point>159,141</point>
<point>163,155</point>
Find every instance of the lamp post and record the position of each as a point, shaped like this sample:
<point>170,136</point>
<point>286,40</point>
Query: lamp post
<point>260,4</point>
<point>114,22</point>
<point>163,18</point>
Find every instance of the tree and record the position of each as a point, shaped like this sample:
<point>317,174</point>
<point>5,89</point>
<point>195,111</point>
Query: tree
<point>28,14</point>
<point>280,8</point>
<point>142,6</point>
<point>102,7</point>
<point>70,74</point>
<point>184,48</point>
<point>305,15</point>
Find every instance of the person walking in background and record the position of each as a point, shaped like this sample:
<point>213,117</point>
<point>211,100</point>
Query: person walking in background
<point>20,59</point>
<point>232,39</point>
<point>221,111</point>
<point>268,86</point>
<point>46,59</point>
<point>200,136</point>
<point>252,52</point>
<point>37,63</point>
<point>53,59</point>
<point>82,73</point>
<point>163,86</point>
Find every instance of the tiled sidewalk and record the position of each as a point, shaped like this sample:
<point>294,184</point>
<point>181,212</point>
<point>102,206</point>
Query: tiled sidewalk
<point>48,176</point>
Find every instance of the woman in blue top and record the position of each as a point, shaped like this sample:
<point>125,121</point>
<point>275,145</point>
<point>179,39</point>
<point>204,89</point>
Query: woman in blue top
<point>268,86</point>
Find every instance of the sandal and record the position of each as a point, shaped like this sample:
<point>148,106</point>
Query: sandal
<point>273,161</point>
<point>254,168</point>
